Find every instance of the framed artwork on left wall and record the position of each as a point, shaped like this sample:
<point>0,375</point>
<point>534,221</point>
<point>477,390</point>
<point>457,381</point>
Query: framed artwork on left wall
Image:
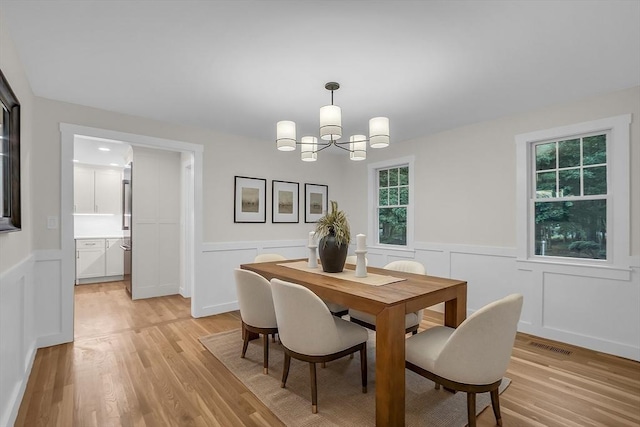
<point>250,199</point>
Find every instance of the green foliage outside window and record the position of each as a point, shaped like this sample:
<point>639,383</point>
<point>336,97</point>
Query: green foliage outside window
<point>393,198</point>
<point>571,170</point>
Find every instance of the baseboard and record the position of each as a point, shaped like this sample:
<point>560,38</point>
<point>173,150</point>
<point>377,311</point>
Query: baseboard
<point>103,279</point>
<point>211,310</point>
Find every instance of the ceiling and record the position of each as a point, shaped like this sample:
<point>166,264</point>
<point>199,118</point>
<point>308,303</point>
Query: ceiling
<point>98,151</point>
<point>241,66</point>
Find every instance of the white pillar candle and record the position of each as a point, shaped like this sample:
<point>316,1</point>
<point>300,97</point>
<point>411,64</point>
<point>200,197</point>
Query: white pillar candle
<point>361,242</point>
<point>311,238</point>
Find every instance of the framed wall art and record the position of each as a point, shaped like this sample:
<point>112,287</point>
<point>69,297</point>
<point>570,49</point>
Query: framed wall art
<point>250,199</point>
<point>285,204</point>
<point>315,201</point>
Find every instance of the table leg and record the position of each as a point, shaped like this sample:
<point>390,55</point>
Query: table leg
<point>390,375</point>
<point>455,310</point>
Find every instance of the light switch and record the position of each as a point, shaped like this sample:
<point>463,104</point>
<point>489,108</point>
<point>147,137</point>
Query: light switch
<point>52,222</point>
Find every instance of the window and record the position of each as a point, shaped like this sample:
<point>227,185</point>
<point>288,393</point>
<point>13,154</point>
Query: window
<point>390,185</point>
<point>570,197</point>
<point>572,182</point>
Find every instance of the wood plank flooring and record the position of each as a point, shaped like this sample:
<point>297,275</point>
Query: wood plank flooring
<point>139,363</point>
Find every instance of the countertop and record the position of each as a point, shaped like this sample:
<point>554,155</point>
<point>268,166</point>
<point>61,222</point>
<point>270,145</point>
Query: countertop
<point>100,236</point>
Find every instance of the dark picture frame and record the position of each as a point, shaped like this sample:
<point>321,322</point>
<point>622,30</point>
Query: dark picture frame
<point>249,199</point>
<point>10,202</point>
<point>316,201</point>
<point>285,201</point>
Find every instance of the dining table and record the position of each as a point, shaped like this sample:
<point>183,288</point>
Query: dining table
<point>388,295</point>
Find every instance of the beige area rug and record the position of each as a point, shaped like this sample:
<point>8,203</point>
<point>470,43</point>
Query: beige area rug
<point>340,398</point>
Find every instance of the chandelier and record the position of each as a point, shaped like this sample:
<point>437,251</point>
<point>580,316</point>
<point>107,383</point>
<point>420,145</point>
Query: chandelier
<point>331,132</point>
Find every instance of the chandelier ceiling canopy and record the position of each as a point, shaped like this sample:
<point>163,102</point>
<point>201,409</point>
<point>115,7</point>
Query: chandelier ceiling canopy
<point>331,132</point>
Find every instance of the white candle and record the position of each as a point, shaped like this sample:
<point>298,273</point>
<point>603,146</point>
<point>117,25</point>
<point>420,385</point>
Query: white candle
<point>361,242</point>
<point>311,238</point>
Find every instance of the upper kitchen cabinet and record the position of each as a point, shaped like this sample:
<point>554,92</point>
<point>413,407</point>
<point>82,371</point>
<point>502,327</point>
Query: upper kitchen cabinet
<point>97,190</point>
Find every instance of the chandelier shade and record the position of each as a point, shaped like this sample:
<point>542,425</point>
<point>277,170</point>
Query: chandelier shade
<point>330,132</point>
<point>379,132</point>
<point>309,149</point>
<point>286,135</point>
<point>358,147</point>
<point>330,122</point>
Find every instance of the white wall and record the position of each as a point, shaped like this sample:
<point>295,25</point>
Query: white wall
<point>18,327</point>
<point>465,212</point>
<point>16,246</point>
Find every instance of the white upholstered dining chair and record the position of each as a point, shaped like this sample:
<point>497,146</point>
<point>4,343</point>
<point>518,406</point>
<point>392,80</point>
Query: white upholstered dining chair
<point>473,357</point>
<point>268,258</point>
<point>256,309</point>
<point>411,320</point>
<point>309,332</point>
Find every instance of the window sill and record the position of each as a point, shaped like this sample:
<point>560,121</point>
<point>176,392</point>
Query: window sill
<point>391,248</point>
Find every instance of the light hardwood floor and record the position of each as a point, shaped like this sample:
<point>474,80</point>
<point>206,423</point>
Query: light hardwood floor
<point>139,363</point>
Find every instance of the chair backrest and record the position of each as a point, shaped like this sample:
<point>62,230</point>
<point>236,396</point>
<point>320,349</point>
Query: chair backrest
<point>407,266</point>
<point>269,258</point>
<point>479,350</point>
<point>255,299</point>
<point>305,324</point>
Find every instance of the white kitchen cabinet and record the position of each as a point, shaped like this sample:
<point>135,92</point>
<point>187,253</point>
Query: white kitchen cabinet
<point>90,258</point>
<point>97,190</point>
<point>114,262</point>
<point>99,260</point>
<point>83,190</point>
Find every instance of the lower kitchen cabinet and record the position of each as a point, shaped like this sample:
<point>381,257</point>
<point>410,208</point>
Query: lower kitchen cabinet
<point>114,258</point>
<point>99,260</point>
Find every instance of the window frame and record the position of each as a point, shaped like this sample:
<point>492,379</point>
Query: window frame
<point>372,171</point>
<point>535,199</point>
<point>618,191</point>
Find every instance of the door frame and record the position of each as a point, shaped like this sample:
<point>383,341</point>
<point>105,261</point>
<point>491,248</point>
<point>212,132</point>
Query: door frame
<point>194,232</point>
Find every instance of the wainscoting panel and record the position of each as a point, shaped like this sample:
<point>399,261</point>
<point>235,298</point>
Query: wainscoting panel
<point>48,297</point>
<point>17,336</point>
<point>585,319</point>
<point>219,259</point>
<point>489,277</point>
<point>596,308</point>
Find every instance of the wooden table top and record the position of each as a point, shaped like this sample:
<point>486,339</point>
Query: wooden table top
<point>417,291</point>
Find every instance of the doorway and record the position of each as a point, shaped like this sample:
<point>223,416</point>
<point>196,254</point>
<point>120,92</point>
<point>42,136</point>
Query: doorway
<point>192,231</point>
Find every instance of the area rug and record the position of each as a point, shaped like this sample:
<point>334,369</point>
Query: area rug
<point>340,398</point>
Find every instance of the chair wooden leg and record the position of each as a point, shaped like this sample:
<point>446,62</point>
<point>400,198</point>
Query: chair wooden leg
<point>314,388</point>
<point>265,356</point>
<point>363,366</point>
<point>471,409</point>
<point>437,386</point>
<point>245,344</point>
<point>323,364</point>
<point>495,402</point>
<point>285,370</point>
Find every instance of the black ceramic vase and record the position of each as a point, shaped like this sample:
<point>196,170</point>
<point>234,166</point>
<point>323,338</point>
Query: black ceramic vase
<point>332,256</point>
